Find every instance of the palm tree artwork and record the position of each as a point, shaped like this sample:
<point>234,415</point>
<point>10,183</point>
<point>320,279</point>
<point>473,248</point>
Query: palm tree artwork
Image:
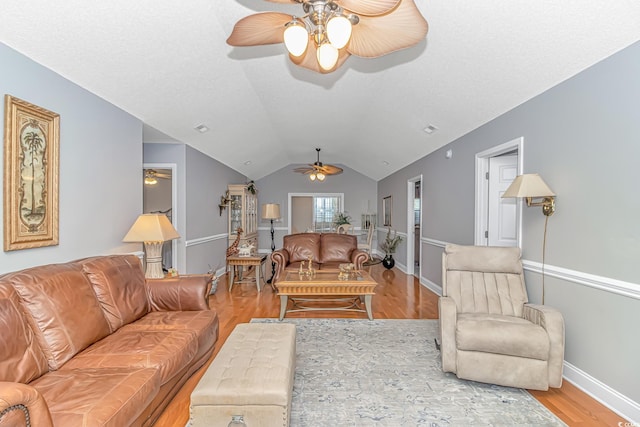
<point>32,177</point>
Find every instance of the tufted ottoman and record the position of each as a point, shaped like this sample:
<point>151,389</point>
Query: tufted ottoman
<point>252,376</point>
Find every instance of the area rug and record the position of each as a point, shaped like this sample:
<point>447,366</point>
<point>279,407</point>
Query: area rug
<point>352,372</point>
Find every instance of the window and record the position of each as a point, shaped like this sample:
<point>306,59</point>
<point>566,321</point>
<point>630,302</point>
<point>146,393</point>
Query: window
<point>324,209</point>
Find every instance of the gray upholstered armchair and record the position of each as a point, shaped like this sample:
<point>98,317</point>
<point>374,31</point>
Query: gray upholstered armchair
<point>488,331</point>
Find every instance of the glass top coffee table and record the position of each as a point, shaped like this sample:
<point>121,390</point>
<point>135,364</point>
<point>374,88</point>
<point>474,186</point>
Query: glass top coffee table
<point>320,287</point>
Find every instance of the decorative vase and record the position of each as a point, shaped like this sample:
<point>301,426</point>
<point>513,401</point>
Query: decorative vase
<point>388,261</point>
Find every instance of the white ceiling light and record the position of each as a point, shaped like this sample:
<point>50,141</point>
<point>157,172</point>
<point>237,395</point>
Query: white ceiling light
<point>329,30</point>
<point>202,128</point>
<point>430,129</point>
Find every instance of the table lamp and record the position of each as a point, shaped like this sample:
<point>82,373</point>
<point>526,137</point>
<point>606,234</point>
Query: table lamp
<point>271,211</point>
<point>153,230</point>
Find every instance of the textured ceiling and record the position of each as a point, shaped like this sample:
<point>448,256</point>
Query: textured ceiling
<point>167,63</point>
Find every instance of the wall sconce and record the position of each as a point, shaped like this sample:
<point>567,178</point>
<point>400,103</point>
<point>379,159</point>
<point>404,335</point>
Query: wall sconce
<point>531,186</point>
<point>224,202</point>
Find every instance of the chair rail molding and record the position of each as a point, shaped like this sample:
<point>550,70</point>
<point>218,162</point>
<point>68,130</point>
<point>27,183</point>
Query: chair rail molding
<point>207,239</point>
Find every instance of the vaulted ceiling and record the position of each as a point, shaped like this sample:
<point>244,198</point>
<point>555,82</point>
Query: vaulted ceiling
<point>167,63</point>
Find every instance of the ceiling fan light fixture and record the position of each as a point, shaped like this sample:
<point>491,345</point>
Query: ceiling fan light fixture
<point>339,31</point>
<point>296,38</point>
<point>312,177</point>
<point>327,55</point>
<point>150,180</point>
<point>321,176</point>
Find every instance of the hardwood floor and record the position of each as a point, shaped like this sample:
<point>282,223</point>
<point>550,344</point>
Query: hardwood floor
<point>398,296</point>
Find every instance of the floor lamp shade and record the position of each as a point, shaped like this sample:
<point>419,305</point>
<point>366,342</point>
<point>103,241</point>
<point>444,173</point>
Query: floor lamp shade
<point>153,230</point>
<point>271,211</point>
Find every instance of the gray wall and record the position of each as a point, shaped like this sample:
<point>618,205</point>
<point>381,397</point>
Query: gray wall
<point>359,195</point>
<point>201,181</point>
<point>582,136</point>
<point>100,165</point>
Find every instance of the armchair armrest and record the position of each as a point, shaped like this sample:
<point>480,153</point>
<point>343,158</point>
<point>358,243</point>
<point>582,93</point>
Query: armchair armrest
<point>281,258</point>
<point>553,322</point>
<point>358,258</point>
<point>182,293</point>
<point>21,404</point>
<point>448,315</point>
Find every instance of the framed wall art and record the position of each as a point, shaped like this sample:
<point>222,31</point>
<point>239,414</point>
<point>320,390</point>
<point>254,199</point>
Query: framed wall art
<point>31,167</point>
<point>386,211</point>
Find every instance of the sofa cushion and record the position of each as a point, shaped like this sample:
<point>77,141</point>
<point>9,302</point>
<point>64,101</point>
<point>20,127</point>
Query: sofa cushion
<point>98,397</point>
<point>169,351</point>
<point>118,282</point>
<point>21,359</point>
<point>302,246</point>
<point>337,247</point>
<point>203,323</point>
<point>63,309</point>
<point>494,333</point>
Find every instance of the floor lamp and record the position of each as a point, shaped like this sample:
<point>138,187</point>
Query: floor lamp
<point>271,211</point>
<point>153,230</point>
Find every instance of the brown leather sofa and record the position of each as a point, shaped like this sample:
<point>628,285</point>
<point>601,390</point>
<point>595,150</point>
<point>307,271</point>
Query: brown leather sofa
<point>326,250</point>
<point>92,343</point>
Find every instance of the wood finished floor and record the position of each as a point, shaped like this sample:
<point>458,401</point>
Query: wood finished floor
<point>398,296</point>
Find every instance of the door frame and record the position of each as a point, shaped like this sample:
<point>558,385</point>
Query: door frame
<point>482,188</point>
<point>411,231</point>
<point>174,206</point>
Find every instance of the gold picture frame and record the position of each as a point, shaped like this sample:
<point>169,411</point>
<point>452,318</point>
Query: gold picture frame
<point>31,168</point>
<point>386,211</point>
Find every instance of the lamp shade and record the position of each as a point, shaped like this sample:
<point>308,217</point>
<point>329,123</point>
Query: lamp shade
<point>271,211</point>
<point>528,185</point>
<point>151,228</point>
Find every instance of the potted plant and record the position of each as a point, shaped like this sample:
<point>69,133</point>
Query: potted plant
<point>389,246</point>
<point>341,218</point>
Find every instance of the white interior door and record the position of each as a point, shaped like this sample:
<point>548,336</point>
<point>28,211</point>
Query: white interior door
<point>502,224</point>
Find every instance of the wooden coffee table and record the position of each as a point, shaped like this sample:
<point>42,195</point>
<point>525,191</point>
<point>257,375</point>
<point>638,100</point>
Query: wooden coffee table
<point>302,289</point>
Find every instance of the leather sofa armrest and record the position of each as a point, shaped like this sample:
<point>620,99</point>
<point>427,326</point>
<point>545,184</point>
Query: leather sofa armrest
<point>17,400</point>
<point>281,259</point>
<point>553,322</point>
<point>448,315</point>
<point>182,293</point>
<point>358,258</point>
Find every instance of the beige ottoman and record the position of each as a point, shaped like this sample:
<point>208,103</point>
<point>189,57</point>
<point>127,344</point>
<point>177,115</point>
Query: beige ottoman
<point>252,376</point>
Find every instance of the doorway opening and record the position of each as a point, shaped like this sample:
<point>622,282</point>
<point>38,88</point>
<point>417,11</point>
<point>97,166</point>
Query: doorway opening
<point>414,221</point>
<point>159,196</point>
<point>498,221</point>
<point>313,211</point>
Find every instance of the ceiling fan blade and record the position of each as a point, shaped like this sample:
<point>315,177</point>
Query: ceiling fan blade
<point>331,170</point>
<point>310,61</point>
<point>303,170</point>
<point>376,36</point>
<point>163,175</point>
<point>259,29</point>
<point>368,7</point>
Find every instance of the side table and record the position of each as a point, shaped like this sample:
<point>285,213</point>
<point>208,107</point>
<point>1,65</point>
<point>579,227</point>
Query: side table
<point>241,261</point>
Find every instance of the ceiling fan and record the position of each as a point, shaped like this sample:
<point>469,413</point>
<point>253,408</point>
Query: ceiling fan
<point>332,30</point>
<point>151,176</point>
<point>317,170</point>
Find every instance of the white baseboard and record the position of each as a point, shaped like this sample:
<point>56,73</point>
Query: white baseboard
<point>432,286</point>
<point>604,394</point>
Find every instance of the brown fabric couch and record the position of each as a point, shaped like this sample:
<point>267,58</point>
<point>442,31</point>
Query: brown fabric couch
<point>92,343</point>
<point>327,251</point>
